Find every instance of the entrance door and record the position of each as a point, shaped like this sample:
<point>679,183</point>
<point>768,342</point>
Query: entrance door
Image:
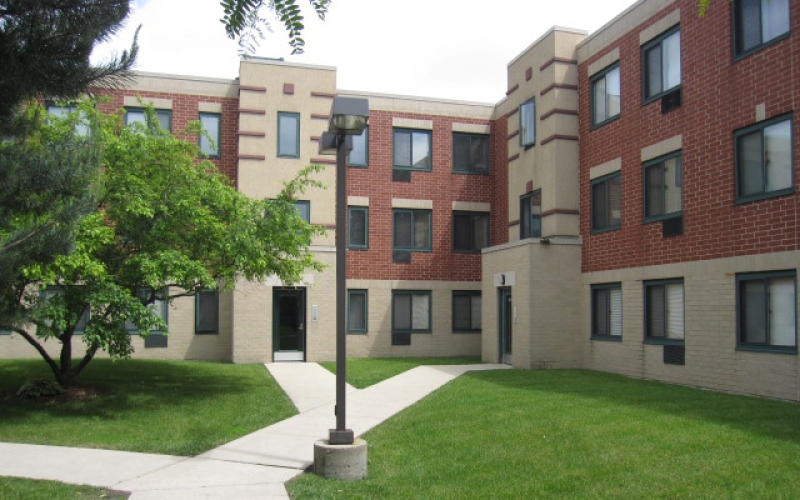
<point>288,324</point>
<point>506,315</point>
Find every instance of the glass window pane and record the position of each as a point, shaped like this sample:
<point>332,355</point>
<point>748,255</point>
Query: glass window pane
<point>164,117</point>
<point>754,324</point>
<point>402,312</point>
<point>782,305</point>
<point>134,116</point>
<point>211,124</point>
<point>656,321</point>
<point>653,58</point>
<point>402,230</point>
<point>358,156</point>
<point>675,311</point>
<point>402,148</point>
<point>751,176</point>
<point>303,210</point>
<point>778,156</point>
<point>421,155</point>
<point>749,24</point>
<point>774,19</point>
<point>357,311</point>
<point>420,317</point>
<point>655,190</point>
<point>601,312</point>
<point>600,100</point>
<point>461,312</point>
<point>528,123</point>
<point>461,152</point>
<point>615,200</point>
<point>525,217</point>
<point>463,240</point>
<point>672,178</point>
<point>672,60</point>
<point>358,227</point>
<point>480,231</point>
<point>599,206</point>
<point>288,140</point>
<point>207,311</point>
<point>613,93</point>
<point>615,312</point>
<point>422,231</point>
<point>475,310</point>
<point>479,154</point>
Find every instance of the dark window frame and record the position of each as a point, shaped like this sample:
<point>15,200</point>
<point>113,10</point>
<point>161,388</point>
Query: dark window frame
<point>532,104</point>
<point>649,338</point>
<point>217,140</point>
<point>523,203</point>
<point>471,294</point>
<point>647,168</point>
<point>759,128</point>
<point>350,162</point>
<point>486,167</point>
<point>601,75</point>
<point>142,110</point>
<point>605,288</point>
<point>412,132</point>
<point>604,180</point>
<point>197,306</point>
<point>413,212</point>
<point>646,99</point>
<point>295,116</point>
<point>365,293</point>
<point>412,330</point>
<point>740,53</point>
<point>350,244</point>
<point>741,343</point>
<point>471,215</point>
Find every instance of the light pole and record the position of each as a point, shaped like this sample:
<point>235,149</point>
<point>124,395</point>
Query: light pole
<point>348,117</point>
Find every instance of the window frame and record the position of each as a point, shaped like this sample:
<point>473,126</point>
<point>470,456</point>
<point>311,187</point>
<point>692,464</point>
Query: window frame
<point>296,117</point>
<point>365,293</point>
<point>465,293</point>
<point>737,32</point>
<point>217,140</point>
<point>365,134</point>
<point>471,215</point>
<point>522,129</point>
<point>742,278</point>
<point>486,170</point>
<point>649,338</point>
<point>413,211</point>
<point>605,288</point>
<point>605,180</point>
<point>142,110</point>
<point>524,203</point>
<point>646,168</point>
<point>749,130</point>
<point>412,132</point>
<point>164,313</point>
<point>197,300</point>
<point>350,244</point>
<point>601,75</point>
<point>412,330</point>
<point>646,99</point>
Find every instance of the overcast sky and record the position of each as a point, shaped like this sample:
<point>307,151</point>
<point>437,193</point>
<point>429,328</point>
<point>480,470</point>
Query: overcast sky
<point>453,49</point>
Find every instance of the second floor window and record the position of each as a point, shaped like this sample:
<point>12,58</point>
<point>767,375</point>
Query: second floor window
<point>663,179</point>
<point>607,202</point>
<point>412,230</point>
<point>470,231</point>
<point>530,215</point>
<point>211,124</point>
<point>764,160</point>
<point>357,227</point>
<point>470,153</point>
<point>662,64</point>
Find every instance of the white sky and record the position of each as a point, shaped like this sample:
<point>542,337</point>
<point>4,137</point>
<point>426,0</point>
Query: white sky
<point>452,49</point>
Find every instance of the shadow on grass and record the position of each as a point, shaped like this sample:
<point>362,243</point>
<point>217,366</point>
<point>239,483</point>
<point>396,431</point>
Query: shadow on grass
<point>758,416</point>
<point>123,386</point>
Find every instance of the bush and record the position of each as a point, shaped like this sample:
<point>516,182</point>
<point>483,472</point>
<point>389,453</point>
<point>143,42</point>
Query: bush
<point>41,388</point>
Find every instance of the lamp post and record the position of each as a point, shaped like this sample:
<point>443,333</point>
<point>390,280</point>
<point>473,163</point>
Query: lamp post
<point>348,117</point>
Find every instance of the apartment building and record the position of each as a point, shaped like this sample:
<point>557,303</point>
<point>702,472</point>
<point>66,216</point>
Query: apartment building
<point>630,206</point>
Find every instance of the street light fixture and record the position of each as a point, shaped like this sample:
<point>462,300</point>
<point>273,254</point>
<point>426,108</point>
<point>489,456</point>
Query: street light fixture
<point>348,117</point>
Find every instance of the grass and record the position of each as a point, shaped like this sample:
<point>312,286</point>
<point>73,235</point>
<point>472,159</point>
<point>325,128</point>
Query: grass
<point>175,408</point>
<point>364,372</point>
<point>575,435</point>
<point>12,488</point>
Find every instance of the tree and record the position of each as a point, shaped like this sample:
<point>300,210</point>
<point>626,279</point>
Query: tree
<point>243,20</point>
<point>165,226</point>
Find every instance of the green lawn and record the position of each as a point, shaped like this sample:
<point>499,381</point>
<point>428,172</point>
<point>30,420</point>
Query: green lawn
<point>364,372</point>
<point>574,435</point>
<point>12,488</point>
<point>175,408</point>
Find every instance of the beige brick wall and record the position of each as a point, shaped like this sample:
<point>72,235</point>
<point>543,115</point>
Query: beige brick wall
<point>712,360</point>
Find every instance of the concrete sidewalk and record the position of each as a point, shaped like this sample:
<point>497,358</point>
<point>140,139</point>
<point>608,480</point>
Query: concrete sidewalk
<point>254,466</point>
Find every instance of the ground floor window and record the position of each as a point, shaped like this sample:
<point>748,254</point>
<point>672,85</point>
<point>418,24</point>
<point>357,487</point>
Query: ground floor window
<point>607,311</point>
<point>206,317</point>
<point>664,311</point>
<point>357,311</point>
<point>467,311</point>
<point>767,310</point>
<point>411,311</point>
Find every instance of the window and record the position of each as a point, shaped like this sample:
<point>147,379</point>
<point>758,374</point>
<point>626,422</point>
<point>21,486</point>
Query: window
<point>158,307</point>
<point>661,66</point>
<point>211,124</point>
<point>607,203</point>
<point>303,209</point>
<point>663,181</point>
<point>663,304</point>
<point>764,160</point>
<point>412,149</point>
<point>766,308</point>
<point>527,124</point>
<point>357,301</point>
<point>138,115</point>
<point>530,215</point>
<point>605,96</point>
<point>470,231</point>
<point>359,156</point>
<point>470,153</point>
<point>411,311</point>
<point>607,311</point>
<point>412,229</point>
<point>206,312</point>
<point>81,129</point>
<point>289,135</point>
<point>467,311</point>
<point>358,228</point>
<point>759,23</point>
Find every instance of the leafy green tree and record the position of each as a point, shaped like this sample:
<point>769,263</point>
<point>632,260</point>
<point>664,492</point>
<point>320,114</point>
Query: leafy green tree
<point>165,225</point>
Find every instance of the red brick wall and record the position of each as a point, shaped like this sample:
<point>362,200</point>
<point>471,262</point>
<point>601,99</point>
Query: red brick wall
<point>185,109</point>
<point>719,97</point>
<point>499,220</point>
<point>440,185</point>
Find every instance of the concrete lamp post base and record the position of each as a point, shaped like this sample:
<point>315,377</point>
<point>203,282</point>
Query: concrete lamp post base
<point>347,462</point>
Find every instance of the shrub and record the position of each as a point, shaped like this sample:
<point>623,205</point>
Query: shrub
<point>41,388</point>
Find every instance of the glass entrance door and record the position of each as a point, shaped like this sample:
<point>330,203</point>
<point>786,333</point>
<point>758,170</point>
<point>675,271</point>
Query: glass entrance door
<point>289,319</point>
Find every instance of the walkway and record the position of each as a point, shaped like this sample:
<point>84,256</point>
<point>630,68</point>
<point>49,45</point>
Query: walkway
<point>252,467</point>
